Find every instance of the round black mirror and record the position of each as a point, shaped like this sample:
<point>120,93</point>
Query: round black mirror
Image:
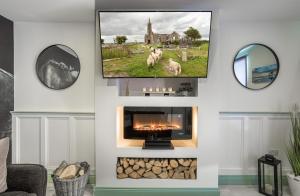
<point>255,66</point>
<point>58,67</point>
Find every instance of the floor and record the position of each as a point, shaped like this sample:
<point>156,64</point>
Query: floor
<point>245,191</point>
<point>51,190</point>
<point>225,191</point>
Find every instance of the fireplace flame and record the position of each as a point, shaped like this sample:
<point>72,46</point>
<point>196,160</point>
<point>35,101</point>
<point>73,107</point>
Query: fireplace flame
<point>156,127</point>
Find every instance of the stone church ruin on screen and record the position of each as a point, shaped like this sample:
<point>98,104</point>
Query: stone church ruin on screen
<point>157,38</point>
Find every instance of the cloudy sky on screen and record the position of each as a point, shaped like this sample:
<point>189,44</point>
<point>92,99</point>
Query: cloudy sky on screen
<point>134,24</point>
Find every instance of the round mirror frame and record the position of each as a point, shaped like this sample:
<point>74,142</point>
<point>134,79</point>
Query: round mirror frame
<point>37,66</point>
<point>267,47</point>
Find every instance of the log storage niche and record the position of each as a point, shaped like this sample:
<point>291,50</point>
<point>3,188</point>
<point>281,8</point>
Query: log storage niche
<point>156,168</point>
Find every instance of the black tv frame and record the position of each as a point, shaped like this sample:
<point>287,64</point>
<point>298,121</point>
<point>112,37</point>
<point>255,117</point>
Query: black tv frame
<point>211,15</point>
<point>184,134</point>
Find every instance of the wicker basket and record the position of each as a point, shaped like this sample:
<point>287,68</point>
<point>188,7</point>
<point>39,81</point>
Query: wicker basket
<point>71,187</point>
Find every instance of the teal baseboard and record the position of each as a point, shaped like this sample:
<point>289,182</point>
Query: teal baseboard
<point>237,180</point>
<point>99,191</point>
<point>242,180</point>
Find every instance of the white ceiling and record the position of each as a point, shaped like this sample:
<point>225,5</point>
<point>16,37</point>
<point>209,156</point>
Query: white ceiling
<point>48,10</point>
<point>229,9</point>
<point>83,10</point>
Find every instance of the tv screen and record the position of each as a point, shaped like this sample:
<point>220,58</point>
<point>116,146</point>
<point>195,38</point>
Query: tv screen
<point>156,44</point>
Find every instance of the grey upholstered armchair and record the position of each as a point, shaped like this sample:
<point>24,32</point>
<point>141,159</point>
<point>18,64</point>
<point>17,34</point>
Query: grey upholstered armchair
<point>26,180</point>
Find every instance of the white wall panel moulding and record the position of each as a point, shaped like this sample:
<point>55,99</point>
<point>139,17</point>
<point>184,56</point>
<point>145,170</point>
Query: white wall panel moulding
<point>48,138</point>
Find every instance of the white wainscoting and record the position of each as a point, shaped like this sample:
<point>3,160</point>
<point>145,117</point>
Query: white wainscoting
<point>48,138</point>
<point>244,137</point>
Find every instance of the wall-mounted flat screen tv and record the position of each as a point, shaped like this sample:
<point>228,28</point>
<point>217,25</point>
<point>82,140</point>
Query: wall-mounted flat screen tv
<point>154,44</point>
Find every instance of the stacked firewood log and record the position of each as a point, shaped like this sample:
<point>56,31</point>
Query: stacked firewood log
<point>164,168</point>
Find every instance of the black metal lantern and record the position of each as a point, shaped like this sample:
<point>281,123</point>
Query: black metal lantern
<point>270,176</point>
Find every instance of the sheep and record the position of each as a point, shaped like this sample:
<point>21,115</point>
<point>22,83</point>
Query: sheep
<point>150,61</point>
<point>159,53</point>
<point>174,66</point>
<point>152,49</point>
<point>155,56</point>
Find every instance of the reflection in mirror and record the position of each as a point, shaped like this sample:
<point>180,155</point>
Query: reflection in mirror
<point>255,66</point>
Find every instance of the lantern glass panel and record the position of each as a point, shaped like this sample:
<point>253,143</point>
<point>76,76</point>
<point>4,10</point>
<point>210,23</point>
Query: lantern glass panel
<point>268,184</point>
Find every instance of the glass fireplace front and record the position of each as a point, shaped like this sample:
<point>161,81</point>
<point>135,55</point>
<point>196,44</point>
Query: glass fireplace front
<point>160,122</point>
<point>157,122</point>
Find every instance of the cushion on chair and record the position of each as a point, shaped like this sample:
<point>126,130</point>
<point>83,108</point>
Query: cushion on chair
<point>17,193</point>
<point>4,147</point>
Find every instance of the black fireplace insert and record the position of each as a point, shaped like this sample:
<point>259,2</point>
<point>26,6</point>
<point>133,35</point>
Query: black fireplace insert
<point>158,125</point>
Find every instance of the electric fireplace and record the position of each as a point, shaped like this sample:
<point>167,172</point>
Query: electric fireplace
<point>158,125</point>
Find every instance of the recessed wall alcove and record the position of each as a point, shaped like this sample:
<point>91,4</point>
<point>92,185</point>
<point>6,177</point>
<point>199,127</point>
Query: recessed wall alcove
<point>156,168</point>
<point>174,87</point>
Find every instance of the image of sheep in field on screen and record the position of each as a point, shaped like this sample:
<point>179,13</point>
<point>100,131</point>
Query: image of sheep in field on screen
<point>155,44</point>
